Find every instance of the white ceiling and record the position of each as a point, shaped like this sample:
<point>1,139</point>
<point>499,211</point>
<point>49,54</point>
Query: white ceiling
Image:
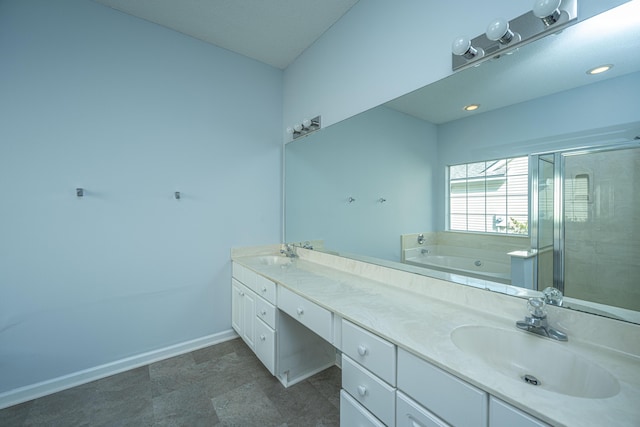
<point>271,31</point>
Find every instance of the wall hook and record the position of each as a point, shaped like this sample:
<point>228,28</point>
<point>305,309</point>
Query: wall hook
<point>79,192</point>
<point>177,195</point>
<point>351,200</point>
<point>382,200</point>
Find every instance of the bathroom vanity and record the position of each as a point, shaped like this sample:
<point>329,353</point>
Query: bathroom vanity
<point>419,351</point>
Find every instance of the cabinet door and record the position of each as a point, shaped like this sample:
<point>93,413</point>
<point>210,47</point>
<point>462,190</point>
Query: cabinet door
<point>501,414</point>
<point>249,318</point>
<point>237,317</point>
<point>266,345</point>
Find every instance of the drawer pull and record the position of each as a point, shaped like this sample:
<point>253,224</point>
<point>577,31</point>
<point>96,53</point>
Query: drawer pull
<point>241,294</point>
<point>300,311</point>
<point>362,350</point>
<point>262,337</point>
<point>362,390</point>
<point>264,289</point>
<point>263,312</point>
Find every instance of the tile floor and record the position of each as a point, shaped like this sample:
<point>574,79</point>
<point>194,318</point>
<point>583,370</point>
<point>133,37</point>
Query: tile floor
<point>221,385</point>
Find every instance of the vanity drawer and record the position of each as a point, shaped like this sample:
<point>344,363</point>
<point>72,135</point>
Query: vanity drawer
<point>266,312</point>
<point>244,275</point>
<point>372,392</point>
<point>504,415</point>
<point>237,272</point>
<point>372,352</point>
<point>434,388</point>
<point>411,414</point>
<point>354,415</point>
<point>311,315</point>
<point>265,345</point>
<point>265,288</point>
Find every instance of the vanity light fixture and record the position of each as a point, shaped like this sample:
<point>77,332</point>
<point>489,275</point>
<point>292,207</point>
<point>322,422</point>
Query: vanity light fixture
<point>504,36</point>
<point>471,107</point>
<point>600,69</point>
<point>306,127</point>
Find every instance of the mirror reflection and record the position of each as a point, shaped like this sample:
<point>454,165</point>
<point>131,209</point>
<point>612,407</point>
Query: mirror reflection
<point>533,189</point>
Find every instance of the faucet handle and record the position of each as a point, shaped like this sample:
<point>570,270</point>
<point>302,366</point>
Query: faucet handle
<point>536,307</point>
<point>552,296</point>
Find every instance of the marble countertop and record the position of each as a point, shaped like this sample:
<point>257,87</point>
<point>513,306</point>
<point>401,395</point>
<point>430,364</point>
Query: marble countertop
<point>421,319</point>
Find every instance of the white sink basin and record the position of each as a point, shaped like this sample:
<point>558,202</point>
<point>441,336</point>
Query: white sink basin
<point>274,260</point>
<point>517,354</point>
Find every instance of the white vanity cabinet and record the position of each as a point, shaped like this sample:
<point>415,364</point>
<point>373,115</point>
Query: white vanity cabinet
<point>382,384</point>
<point>252,316</point>
<point>292,347</point>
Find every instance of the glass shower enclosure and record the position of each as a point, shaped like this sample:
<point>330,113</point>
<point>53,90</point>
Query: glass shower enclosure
<point>585,217</point>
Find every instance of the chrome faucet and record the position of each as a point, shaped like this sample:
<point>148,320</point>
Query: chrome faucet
<point>537,322</point>
<point>288,250</point>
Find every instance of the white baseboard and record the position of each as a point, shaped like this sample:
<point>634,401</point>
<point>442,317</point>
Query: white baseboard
<point>33,391</point>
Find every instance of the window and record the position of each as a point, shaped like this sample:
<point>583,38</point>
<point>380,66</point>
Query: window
<point>490,196</point>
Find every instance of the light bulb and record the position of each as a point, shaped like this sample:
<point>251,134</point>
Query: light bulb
<point>289,129</point>
<point>297,127</point>
<point>547,10</point>
<point>461,45</point>
<point>306,123</point>
<point>498,30</point>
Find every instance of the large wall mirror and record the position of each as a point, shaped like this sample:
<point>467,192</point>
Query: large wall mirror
<point>539,187</point>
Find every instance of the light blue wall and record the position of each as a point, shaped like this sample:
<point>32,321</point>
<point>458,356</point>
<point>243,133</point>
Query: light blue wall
<point>539,125</point>
<point>131,111</point>
<point>378,154</point>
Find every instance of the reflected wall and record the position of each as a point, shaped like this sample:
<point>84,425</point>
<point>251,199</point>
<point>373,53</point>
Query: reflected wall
<point>379,154</point>
<point>602,227</point>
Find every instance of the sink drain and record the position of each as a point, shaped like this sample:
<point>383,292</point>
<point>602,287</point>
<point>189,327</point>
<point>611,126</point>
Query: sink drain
<point>530,379</point>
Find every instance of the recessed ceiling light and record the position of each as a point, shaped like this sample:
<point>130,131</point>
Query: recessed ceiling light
<point>471,107</point>
<point>600,69</point>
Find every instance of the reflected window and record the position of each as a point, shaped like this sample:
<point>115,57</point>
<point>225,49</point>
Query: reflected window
<point>490,196</point>
<point>576,200</point>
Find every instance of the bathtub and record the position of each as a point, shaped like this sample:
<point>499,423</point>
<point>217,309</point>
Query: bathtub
<point>468,264</point>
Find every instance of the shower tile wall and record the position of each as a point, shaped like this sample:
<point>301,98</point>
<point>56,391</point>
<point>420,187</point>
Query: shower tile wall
<point>602,230</point>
